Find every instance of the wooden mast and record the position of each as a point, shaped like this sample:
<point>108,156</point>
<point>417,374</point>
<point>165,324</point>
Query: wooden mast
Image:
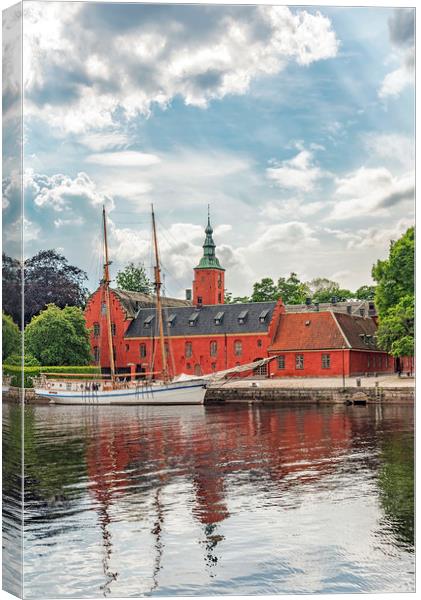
<point>158,284</point>
<point>107,281</point>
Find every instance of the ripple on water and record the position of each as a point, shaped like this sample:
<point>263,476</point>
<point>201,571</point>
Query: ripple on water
<point>129,501</point>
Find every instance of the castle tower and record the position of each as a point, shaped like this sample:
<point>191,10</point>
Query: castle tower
<point>209,276</point>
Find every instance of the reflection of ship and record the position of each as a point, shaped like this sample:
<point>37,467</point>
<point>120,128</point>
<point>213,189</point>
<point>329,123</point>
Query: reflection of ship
<point>118,389</point>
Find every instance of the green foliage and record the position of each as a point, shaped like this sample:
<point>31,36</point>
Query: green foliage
<point>11,337</point>
<point>59,337</point>
<point>395,275</point>
<point>395,296</point>
<point>323,290</point>
<point>396,328</point>
<point>229,299</point>
<point>16,372</point>
<point>133,278</point>
<point>292,290</point>
<point>265,290</point>
<point>29,360</point>
<point>366,292</point>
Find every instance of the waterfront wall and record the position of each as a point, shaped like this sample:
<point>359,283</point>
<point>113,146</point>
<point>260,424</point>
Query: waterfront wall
<point>227,395</point>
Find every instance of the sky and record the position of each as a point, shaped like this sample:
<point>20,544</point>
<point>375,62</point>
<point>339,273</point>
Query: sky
<point>296,126</point>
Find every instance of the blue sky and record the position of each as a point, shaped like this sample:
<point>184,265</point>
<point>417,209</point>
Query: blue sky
<point>294,124</point>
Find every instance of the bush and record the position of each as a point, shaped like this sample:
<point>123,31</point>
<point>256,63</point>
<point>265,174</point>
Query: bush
<point>10,336</point>
<point>35,371</point>
<point>29,360</point>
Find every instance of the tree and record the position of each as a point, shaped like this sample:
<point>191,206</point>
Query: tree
<point>395,275</point>
<point>12,287</point>
<point>230,299</point>
<point>366,292</point>
<point>59,337</point>
<point>323,290</point>
<point>265,290</point>
<point>49,279</point>
<point>396,328</point>
<point>133,278</point>
<point>11,337</point>
<point>292,290</point>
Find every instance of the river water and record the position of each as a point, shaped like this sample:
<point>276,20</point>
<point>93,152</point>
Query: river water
<point>129,501</point>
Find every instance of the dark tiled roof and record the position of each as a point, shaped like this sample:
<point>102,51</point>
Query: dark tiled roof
<point>360,308</point>
<point>358,331</point>
<point>132,301</point>
<point>324,330</point>
<point>205,321</point>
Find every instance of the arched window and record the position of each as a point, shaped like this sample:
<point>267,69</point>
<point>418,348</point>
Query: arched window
<point>238,347</point>
<point>113,329</point>
<point>96,354</point>
<point>142,350</point>
<point>97,329</point>
<point>213,348</point>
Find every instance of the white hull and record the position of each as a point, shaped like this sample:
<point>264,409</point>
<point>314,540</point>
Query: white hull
<point>186,392</point>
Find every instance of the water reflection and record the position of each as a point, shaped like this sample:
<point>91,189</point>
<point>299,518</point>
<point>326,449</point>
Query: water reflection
<point>160,500</point>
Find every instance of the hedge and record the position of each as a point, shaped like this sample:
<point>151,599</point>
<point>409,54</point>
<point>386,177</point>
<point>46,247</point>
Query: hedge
<point>16,372</point>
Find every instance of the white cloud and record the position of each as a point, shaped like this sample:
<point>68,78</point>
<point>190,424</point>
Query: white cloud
<point>299,172</point>
<point>394,147</point>
<point>401,33</point>
<point>281,236</point>
<point>197,53</point>
<point>61,192</point>
<point>98,142</point>
<point>290,208</point>
<point>372,237</point>
<point>370,191</point>
<point>127,158</point>
<point>13,232</point>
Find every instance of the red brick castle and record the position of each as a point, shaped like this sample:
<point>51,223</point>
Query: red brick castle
<point>205,335</point>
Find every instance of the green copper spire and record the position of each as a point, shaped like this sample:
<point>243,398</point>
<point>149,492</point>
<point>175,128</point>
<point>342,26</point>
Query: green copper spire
<point>209,260</point>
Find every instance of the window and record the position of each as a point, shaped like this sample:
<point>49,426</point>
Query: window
<point>142,350</point>
<point>193,319</point>
<point>299,361</point>
<point>188,349</point>
<point>325,361</point>
<point>171,320</point>
<point>213,366</point>
<point>219,281</point>
<point>104,308</point>
<point>97,330</point>
<point>199,300</point>
<point>148,321</point>
<point>259,343</point>
<point>188,366</point>
<point>96,354</point>
<point>238,347</point>
<point>263,315</point>
<point>213,348</point>
<point>219,318</point>
<point>219,298</point>
<point>113,330</point>
<point>166,349</point>
<point>281,362</point>
<point>386,362</point>
<point>242,317</point>
<point>349,309</point>
<point>127,347</point>
<point>362,312</point>
<point>368,361</point>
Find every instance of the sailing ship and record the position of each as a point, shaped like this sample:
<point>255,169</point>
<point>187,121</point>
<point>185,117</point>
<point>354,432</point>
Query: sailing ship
<point>117,388</point>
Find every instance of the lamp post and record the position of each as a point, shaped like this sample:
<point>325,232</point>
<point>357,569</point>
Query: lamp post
<point>343,367</point>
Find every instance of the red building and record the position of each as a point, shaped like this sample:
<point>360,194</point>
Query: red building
<point>208,335</point>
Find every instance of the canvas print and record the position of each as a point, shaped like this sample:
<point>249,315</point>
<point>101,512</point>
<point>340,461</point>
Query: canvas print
<point>208,299</point>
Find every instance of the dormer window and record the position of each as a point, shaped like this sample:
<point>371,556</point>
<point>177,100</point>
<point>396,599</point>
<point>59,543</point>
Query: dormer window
<point>193,319</point>
<point>171,320</point>
<point>362,312</point>
<point>148,321</point>
<point>263,315</point>
<point>219,318</point>
<point>242,317</point>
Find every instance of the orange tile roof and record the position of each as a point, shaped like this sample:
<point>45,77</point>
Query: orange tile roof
<point>322,330</point>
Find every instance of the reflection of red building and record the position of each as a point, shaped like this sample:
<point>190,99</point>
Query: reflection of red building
<point>331,339</point>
